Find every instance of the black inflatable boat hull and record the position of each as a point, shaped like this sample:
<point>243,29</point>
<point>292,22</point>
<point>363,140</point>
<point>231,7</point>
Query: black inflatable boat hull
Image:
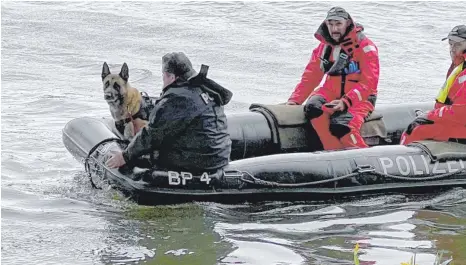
<point>276,129</point>
<point>321,175</point>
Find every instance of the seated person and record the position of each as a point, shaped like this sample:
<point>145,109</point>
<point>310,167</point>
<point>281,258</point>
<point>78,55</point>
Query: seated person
<point>187,126</point>
<point>350,61</point>
<point>448,119</point>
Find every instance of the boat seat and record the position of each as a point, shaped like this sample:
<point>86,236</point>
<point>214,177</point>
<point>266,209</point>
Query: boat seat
<point>374,126</point>
<point>442,151</point>
<point>289,125</point>
<point>373,116</point>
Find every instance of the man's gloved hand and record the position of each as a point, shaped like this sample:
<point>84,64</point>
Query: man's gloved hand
<point>423,118</point>
<point>420,120</point>
<point>352,68</point>
<point>419,112</point>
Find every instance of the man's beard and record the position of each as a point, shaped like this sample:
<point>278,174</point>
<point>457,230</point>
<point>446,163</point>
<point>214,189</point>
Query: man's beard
<point>336,36</point>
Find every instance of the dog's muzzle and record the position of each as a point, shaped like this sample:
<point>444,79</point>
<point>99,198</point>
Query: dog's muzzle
<point>110,98</point>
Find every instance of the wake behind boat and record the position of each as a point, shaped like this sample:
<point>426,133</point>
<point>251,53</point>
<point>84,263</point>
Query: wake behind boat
<point>275,157</point>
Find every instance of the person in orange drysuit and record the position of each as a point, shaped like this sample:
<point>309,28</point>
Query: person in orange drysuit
<point>447,121</point>
<point>338,108</point>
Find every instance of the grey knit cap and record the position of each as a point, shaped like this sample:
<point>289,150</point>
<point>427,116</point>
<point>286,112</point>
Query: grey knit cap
<point>178,63</point>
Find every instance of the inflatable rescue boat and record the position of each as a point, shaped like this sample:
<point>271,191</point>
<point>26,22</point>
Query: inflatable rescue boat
<point>276,156</point>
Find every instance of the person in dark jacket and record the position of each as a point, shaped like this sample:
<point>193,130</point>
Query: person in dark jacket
<point>188,126</point>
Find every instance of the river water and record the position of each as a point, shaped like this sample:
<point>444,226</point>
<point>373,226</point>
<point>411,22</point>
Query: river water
<point>52,56</point>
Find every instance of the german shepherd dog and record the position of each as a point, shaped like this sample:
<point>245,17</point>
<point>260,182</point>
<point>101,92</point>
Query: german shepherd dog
<point>125,102</point>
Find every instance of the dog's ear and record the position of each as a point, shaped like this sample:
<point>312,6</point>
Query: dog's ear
<point>124,73</point>
<point>105,71</point>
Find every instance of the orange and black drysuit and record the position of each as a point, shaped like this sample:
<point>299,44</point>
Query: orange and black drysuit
<point>447,120</point>
<point>358,89</point>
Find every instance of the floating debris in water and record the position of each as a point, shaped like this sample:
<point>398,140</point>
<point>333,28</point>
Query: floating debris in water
<point>179,252</point>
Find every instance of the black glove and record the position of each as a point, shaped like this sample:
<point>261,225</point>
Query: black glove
<point>420,120</point>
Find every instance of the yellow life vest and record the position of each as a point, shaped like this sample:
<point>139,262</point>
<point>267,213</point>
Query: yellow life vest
<point>443,93</point>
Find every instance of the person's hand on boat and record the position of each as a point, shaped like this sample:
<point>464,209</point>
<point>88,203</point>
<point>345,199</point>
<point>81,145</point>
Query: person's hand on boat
<point>425,118</point>
<point>116,160</point>
<point>419,112</point>
<point>422,119</point>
